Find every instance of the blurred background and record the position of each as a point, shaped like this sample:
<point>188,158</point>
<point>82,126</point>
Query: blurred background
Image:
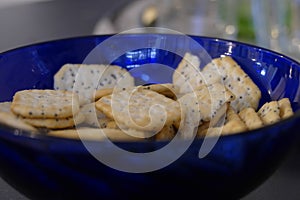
<point>273,24</point>
<point>268,23</point>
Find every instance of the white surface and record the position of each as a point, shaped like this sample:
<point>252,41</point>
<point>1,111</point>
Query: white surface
<point>5,3</point>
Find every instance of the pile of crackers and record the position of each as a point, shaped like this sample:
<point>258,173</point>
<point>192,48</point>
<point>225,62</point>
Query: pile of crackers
<point>102,101</point>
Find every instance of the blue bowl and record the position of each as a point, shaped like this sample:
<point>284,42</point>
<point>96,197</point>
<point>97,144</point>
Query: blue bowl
<point>45,167</point>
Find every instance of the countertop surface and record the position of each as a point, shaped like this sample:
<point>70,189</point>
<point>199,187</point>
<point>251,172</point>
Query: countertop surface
<point>48,20</point>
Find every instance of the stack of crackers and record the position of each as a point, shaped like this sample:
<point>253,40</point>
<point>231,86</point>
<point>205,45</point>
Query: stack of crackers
<point>98,101</point>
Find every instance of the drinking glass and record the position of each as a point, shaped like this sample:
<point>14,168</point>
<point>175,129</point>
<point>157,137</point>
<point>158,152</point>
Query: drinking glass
<point>215,18</point>
<point>277,25</point>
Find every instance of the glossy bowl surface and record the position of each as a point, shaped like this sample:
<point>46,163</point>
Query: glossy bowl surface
<point>44,167</point>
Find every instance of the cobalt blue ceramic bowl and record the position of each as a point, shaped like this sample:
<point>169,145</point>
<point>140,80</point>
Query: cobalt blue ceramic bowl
<point>44,167</point>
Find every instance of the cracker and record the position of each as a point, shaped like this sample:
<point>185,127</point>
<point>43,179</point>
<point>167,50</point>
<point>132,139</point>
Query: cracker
<point>58,123</point>
<point>94,134</point>
<point>227,71</point>
<point>251,118</point>
<point>187,76</point>
<point>207,104</point>
<point>215,95</point>
<point>5,106</point>
<point>211,132</point>
<point>167,133</point>
<point>107,123</point>
<point>45,104</point>
<point>285,107</point>
<point>270,113</point>
<point>91,114</point>
<point>112,124</point>
<point>134,109</point>
<point>234,124</point>
<point>217,121</point>
<point>233,127</point>
<point>9,119</point>
<point>86,79</point>
<point>214,131</point>
<point>65,78</point>
<point>103,92</point>
<point>104,105</point>
<point>202,129</point>
<point>166,89</point>
<point>103,122</point>
<point>209,99</point>
<point>190,112</point>
<point>231,115</point>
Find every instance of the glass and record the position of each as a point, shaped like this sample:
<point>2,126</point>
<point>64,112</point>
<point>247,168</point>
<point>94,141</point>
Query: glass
<point>294,47</point>
<point>215,18</point>
<point>277,26</point>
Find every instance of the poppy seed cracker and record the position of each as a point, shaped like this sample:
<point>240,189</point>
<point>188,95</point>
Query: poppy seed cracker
<point>103,92</point>
<point>94,134</point>
<point>269,113</point>
<point>236,80</point>
<point>5,106</point>
<point>166,89</point>
<point>209,99</point>
<point>251,118</point>
<point>58,123</point>
<point>166,133</point>
<point>187,76</point>
<point>285,107</point>
<point>45,104</point>
<point>10,119</point>
<point>233,124</point>
<point>139,109</point>
<point>105,122</point>
<point>91,114</point>
<point>85,79</point>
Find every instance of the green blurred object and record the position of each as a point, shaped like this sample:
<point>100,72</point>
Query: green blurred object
<point>246,32</point>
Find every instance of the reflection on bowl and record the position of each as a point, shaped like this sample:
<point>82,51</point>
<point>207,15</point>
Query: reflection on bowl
<point>42,166</point>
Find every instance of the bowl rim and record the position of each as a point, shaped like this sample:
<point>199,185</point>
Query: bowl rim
<point>27,134</point>
<point>217,39</point>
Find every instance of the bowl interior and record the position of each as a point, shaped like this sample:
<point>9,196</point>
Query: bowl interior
<point>34,66</point>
